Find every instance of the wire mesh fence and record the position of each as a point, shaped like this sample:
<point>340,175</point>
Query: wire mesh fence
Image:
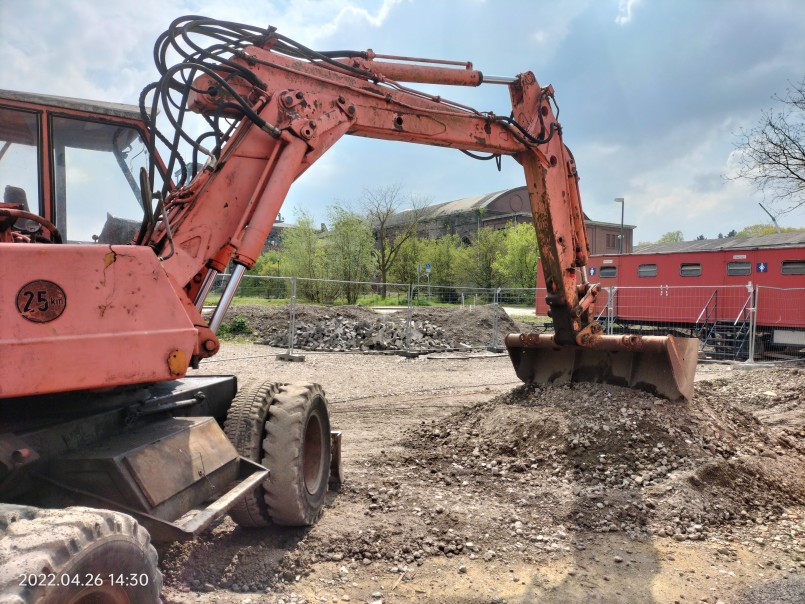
<point>732,322</point>
<point>778,328</point>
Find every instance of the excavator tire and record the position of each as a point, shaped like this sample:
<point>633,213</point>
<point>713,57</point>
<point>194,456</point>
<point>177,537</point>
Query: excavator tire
<point>75,555</point>
<point>245,426</point>
<point>297,454</point>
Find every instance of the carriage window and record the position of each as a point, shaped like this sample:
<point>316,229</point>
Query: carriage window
<point>19,158</point>
<point>607,272</point>
<point>793,267</point>
<point>690,269</point>
<point>739,268</point>
<point>647,270</point>
<point>97,180</point>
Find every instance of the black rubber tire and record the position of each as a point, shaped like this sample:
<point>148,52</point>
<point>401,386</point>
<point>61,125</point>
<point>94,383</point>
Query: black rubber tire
<point>76,545</point>
<point>245,426</point>
<point>297,454</point>
<point>285,427</point>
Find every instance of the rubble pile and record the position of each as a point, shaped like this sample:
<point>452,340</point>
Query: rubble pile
<point>354,328</point>
<point>342,334</point>
<point>624,460</point>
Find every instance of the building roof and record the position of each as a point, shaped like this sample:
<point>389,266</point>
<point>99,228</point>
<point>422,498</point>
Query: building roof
<point>457,206</point>
<point>470,204</point>
<point>776,240</point>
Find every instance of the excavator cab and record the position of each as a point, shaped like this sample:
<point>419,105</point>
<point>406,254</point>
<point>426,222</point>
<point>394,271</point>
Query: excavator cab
<point>73,163</point>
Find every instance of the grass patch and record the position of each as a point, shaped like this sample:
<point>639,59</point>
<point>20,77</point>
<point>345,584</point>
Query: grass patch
<point>537,320</point>
<point>236,329</point>
<point>249,301</point>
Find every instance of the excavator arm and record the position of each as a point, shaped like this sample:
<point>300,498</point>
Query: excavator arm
<point>291,105</point>
<point>306,106</point>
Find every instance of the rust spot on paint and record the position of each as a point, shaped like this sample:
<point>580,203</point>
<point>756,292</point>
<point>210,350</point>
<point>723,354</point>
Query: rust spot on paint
<point>109,259</point>
<point>177,362</point>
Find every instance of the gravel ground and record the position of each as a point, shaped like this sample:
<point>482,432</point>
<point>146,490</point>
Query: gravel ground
<point>462,485</point>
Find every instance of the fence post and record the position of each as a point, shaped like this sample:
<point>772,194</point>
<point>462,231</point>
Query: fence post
<point>610,314</point>
<point>493,346</point>
<point>290,356</point>
<point>408,319</point>
<point>753,324</point>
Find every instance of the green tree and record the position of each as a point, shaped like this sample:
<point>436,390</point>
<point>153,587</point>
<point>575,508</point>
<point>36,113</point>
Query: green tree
<point>409,255</point>
<point>475,263</point>
<point>304,256</point>
<point>300,245</point>
<point>392,228</point>
<point>267,264</point>
<point>442,254</point>
<point>518,262</point>
<point>672,237</point>
<point>755,230</point>
<point>350,247</point>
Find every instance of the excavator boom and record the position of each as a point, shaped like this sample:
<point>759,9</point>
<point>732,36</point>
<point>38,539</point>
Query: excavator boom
<point>303,102</point>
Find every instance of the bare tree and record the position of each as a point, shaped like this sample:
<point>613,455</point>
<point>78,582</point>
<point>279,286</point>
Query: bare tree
<point>772,154</point>
<point>392,226</point>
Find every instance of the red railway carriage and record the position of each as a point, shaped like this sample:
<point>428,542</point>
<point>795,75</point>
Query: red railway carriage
<point>697,285</point>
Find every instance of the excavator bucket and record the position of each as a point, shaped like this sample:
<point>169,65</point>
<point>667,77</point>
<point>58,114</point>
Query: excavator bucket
<point>662,365</point>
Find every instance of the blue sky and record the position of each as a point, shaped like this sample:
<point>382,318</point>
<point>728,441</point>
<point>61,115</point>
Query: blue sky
<point>652,93</point>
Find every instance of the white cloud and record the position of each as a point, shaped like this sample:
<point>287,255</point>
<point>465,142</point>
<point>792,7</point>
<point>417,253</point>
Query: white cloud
<point>689,193</point>
<point>556,25</point>
<point>625,8</point>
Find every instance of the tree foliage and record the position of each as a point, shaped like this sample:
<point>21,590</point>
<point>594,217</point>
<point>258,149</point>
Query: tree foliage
<point>755,230</point>
<point>671,237</point>
<point>518,262</point>
<point>409,255</point>
<point>772,154</point>
<point>303,255</point>
<point>267,264</point>
<point>476,263</point>
<point>442,254</point>
<point>350,248</point>
<point>392,227</point>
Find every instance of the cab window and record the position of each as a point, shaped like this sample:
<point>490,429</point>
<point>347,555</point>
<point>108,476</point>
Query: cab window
<point>96,180</point>
<point>19,158</point>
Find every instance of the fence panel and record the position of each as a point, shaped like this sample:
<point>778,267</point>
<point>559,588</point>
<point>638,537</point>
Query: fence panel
<point>720,316</point>
<point>779,324</point>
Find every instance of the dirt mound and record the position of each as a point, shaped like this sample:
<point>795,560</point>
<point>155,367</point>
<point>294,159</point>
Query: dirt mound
<point>628,461</point>
<point>341,328</point>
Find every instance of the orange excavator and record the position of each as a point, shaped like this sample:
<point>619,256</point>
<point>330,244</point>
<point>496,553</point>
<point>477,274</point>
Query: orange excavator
<point>109,251</point>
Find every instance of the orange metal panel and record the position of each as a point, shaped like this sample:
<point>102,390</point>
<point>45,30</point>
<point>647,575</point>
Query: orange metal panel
<point>88,316</point>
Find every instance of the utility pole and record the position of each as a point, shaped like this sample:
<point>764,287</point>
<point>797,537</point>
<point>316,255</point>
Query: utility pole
<point>621,201</point>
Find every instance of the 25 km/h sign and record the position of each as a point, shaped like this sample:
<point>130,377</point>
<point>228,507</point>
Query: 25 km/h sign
<point>41,301</point>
